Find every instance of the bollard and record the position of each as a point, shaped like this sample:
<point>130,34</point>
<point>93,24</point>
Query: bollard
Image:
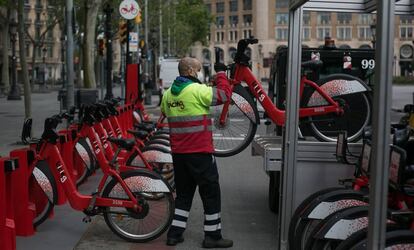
<point>9,166</point>
<point>25,211</point>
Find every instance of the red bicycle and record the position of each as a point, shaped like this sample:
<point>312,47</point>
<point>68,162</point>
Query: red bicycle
<point>137,204</point>
<point>337,103</point>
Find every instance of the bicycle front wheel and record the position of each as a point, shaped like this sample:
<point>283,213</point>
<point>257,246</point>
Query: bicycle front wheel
<point>240,125</point>
<point>156,200</point>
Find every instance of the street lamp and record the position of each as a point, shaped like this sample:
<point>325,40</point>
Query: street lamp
<point>14,90</point>
<point>374,33</point>
<point>43,86</point>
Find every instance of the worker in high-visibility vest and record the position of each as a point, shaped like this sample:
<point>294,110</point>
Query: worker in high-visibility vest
<point>186,104</point>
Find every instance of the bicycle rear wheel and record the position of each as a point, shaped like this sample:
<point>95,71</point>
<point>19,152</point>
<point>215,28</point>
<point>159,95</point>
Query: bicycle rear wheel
<point>155,198</point>
<point>357,115</point>
<point>43,192</point>
<point>240,127</point>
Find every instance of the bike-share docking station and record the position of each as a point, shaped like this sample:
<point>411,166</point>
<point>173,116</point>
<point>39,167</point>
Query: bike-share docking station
<point>307,166</point>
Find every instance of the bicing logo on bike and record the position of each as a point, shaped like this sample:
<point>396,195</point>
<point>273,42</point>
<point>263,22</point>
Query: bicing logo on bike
<point>61,171</point>
<point>96,146</point>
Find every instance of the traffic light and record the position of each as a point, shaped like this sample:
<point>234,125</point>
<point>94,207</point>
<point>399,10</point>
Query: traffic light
<point>123,31</point>
<point>101,47</point>
<point>138,18</point>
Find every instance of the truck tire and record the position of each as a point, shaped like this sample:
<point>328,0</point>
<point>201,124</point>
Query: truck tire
<point>274,181</point>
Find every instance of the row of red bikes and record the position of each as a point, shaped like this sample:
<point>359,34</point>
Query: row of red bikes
<point>337,217</point>
<point>135,191</point>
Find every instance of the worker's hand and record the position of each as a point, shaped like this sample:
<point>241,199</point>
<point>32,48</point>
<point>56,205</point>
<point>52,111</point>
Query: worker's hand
<point>220,67</point>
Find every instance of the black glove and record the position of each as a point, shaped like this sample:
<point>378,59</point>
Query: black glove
<point>219,67</point>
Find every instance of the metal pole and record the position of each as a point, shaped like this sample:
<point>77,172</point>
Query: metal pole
<point>292,123</point>
<point>70,98</point>
<point>146,35</point>
<point>14,90</point>
<point>161,54</point>
<point>381,125</point>
<point>108,34</point>
<point>63,48</point>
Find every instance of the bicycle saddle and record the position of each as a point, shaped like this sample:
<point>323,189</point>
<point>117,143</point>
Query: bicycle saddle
<point>401,137</point>
<point>145,126</point>
<point>138,134</point>
<point>127,144</point>
<point>313,64</point>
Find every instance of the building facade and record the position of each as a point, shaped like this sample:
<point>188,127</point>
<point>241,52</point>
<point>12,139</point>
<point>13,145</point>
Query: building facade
<point>39,25</point>
<point>267,20</point>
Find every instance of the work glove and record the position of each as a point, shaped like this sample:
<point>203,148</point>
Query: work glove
<point>218,67</point>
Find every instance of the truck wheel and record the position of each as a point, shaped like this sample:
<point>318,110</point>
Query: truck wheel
<point>274,191</point>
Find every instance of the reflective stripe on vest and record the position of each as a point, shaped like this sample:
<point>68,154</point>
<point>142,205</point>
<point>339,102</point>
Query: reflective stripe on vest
<point>193,129</point>
<point>189,124</point>
<point>216,94</point>
<point>188,118</point>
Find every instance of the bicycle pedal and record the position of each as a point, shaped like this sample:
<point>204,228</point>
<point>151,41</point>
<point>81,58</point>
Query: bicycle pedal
<point>87,219</point>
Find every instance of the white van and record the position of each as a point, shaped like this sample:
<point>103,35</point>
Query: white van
<point>168,71</point>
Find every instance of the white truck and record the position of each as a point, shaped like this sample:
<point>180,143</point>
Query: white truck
<point>168,71</point>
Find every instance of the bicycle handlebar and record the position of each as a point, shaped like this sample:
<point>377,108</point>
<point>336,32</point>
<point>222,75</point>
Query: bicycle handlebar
<point>241,48</point>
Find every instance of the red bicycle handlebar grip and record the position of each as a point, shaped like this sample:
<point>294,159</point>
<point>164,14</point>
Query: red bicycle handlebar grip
<point>25,210</point>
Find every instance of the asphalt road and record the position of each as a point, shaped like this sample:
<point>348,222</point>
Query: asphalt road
<point>246,218</point>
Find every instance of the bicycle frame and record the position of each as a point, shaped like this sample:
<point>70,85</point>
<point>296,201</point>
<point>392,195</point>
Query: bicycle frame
<point>243,74</point>
<point>50,152</point>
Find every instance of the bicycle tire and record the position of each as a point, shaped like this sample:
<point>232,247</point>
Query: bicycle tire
<point>165,193</point>
<point>241,124</point>
<point>300,210</point>
<point>84,161</point>
<point>357,114</point>
<point>398,239</point>
<point>40,180</point>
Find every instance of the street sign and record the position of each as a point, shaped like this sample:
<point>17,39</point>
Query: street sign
<point>129,9</point>
<point>133,42</point>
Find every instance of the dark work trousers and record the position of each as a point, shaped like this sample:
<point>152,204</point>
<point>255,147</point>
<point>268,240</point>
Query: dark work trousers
<point>190,171</point>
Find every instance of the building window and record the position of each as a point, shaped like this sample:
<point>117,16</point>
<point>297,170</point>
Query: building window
<point>208,7</point>
<point>306,18</point>
<point>282,18</point>
<point>364,33</point>
<point>281,34</point>
<point>220,21</point>
<point>247,19</point>
<point>232,52</point>
<point>220,7</point>
<point>306,33</point>
<point>324,18</point>
<point>323,32</point>
<point>282,3</point>
<point>406,32</point>
<point>233,5</point>
<point>247,4</point>
<point>344,33</point>
<point>28,49</point>
<point>233,20</point>
<point>233,36</point>
<point>365,19</point>
<point>50,51</point>
<point>247,33</point>
<point>406,19</point>
<point>208,37</point>
<point>344,18</point>
<point>219,36</point>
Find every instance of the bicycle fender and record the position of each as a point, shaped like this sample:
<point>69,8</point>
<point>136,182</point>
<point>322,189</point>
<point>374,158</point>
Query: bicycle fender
<point>249,108</point>
<point>83,153</point>
<point>340,225</point>
<point>328,203</point>
<point>152,155</point>
<point>142,183</point>
<point>44,183</point>
<point>337,85</point>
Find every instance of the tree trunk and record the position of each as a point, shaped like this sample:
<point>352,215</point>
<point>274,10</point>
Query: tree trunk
<point>91,14</point>
<point>5,77</point>
<point>32,75</point>
<point>23,63</point>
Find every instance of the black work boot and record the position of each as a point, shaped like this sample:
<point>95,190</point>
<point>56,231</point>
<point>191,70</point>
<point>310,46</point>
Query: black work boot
<point>210,242</point>
<point>174,241</point>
